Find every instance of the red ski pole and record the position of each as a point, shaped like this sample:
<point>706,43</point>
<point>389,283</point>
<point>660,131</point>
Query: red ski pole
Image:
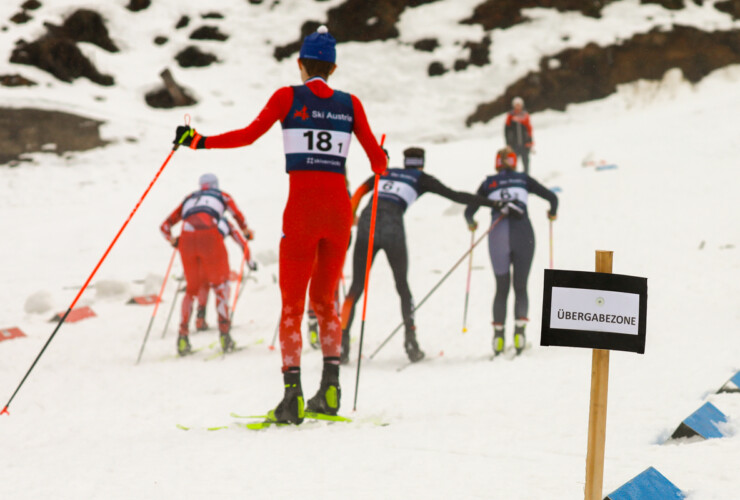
<point>89,278</point>
<point>368,263</point>
<point>156,304</point>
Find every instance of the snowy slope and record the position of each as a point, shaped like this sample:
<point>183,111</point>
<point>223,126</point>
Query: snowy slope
<point>90,424</point>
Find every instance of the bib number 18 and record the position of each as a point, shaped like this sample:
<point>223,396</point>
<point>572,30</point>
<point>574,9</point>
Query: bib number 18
<point>321,141</point>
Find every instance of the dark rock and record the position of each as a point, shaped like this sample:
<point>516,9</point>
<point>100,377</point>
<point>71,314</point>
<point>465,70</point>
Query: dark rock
<point>182,22</point>
<point>160,40</point>
<point>356,21</point>
<point>16,81</point>
<point>84,26</point>
<point>192,57</point>
<point>255,2</point>
<point>460,64</point>
<point>493,14</point>
<point>162,99</point>
<point>731,7</point>
<point>57,53</point>
<point>479,51</point>
<point>21,17</point>
<point>31,5</point>
<point>212,15</point>
<point>593,72</point>
<point>137,5</point>
<point>208,33</point>
<point>668,4</point>
<point>25,130</point>
<point>426,44</point>
<point>308,27</point>
<point>436,69</point>
<point>60,57</point>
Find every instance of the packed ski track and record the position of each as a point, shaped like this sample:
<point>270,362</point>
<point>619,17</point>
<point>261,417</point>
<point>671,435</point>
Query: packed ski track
<point>88,423</point>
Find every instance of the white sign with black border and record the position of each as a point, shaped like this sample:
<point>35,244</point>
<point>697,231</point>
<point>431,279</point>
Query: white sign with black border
<point>594,310</point>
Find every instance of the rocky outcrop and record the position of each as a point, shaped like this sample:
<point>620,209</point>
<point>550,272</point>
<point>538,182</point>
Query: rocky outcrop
<point>731,7</point>
<point>28,130</point>
<point>356,21</point>
<point>57,53</point>
<point>492,14</point>
<point>208,33</point>
<point>84,26</point>
<point>137,5</point>
<point>193,57</point>
<point>593,72</point>
<point>16,81</point>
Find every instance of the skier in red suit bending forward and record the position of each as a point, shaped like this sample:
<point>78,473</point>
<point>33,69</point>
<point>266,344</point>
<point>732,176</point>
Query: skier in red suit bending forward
<point>317,123</point>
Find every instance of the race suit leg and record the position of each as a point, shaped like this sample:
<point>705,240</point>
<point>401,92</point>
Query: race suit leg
<point>393,241</point>
<point>500,252</point>
<point>522,253</point>
<point>316,223</point>
<point>216,269</point>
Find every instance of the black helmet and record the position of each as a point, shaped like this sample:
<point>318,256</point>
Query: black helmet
<point>413,157</point>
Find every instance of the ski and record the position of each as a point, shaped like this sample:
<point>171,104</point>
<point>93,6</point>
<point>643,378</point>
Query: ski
<point>510,352</point>
<point>221,354</point>
<point>422,360</point>
<point>312,415</point>
<point>309,415</point>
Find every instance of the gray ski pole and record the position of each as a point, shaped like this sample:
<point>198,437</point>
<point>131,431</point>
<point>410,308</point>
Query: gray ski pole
<point>460,260</point>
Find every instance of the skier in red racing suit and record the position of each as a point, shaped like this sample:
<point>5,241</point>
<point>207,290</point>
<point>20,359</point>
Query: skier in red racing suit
<point>317,123</point>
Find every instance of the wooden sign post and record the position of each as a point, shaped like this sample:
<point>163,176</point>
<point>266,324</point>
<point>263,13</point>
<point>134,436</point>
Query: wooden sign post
<point>603,312</point>
<point>597,410</point>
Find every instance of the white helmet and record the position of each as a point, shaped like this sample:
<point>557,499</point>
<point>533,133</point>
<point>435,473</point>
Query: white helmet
<point>207,181</point>
<point>517,102</point>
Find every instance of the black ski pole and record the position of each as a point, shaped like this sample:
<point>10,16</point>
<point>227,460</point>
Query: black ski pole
<point>438,284</point>
<point>89,278</point>
<point>172,309</point>
<point>156,304</point>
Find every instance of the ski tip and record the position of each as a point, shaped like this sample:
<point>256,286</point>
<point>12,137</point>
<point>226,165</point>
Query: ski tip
<point>5,411</point>
<point>272,347</point>
<point>182,427</point>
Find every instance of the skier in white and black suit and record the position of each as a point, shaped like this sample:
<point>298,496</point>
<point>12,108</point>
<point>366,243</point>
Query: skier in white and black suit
<point>511,242</point>
<point>398,189</point>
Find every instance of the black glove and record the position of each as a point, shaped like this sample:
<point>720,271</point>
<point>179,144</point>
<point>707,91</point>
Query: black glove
<point>187,136</point>
<point>175,241</point>
<point>252,265</point>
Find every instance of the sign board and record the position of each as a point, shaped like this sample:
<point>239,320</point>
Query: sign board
<point>594,310</point>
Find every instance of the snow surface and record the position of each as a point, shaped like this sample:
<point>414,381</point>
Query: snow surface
<point>90,424</point>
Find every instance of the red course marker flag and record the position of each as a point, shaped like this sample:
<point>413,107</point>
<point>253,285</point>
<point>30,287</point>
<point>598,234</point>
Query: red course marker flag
<point>75,315</point>
<point>143,300</point>
<point>11,333</point>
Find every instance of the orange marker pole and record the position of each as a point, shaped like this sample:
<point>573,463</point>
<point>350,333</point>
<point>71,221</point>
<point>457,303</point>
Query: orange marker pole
<point>89,278</point>
<point>368,263</point>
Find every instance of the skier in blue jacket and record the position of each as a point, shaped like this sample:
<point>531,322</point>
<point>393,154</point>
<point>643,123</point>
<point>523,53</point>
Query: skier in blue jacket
<point>511,241</point>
